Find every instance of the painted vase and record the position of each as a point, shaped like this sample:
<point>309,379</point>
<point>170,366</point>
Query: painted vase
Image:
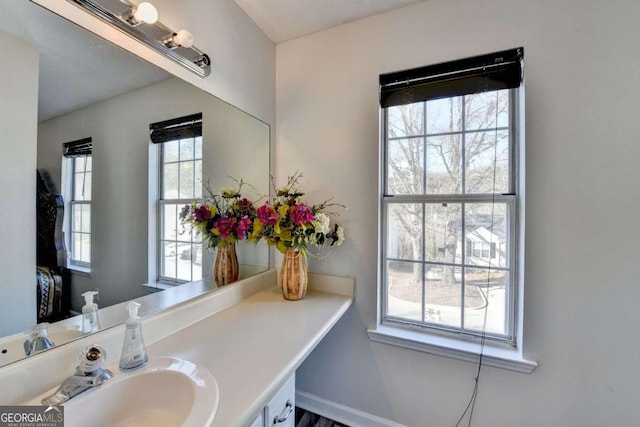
<point>226,269</point>
<point>293,275</point>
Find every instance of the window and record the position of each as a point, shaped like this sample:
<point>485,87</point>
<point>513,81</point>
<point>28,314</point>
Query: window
<point>450,193</point>
<point>179,251</point>
<point>481,249</point>
<point>79,163</point>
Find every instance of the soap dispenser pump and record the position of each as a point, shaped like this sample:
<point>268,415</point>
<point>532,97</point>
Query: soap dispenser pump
<point>90,318</point>
<point>134,353</point>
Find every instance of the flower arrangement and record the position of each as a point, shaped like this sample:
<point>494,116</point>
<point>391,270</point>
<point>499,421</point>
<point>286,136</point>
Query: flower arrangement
<point>222,218</point>
<point>287,222</point>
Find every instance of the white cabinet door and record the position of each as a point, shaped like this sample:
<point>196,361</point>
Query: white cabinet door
<point>280,411</point>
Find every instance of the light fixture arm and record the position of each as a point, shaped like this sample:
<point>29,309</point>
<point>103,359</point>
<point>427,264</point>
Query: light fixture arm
<point>189,57</point>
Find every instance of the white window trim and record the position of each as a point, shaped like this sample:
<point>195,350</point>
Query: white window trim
<point>153,215</point>
<point>499,357</point>
<point>430,341</point>
<point>79,270</point>
<point>158,286</point>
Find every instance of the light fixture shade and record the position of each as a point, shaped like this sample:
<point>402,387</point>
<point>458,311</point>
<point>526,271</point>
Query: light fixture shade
<point>183,38</point>
<point>146,12</point>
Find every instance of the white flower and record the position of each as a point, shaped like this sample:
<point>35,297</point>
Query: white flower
<point>340,234</point>
<point>229,192</point>
<point>294,189</point>
<point>321,224</point>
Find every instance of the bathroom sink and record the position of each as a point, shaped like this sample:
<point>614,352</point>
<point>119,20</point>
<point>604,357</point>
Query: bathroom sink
<point>62,335</point>
<point>167,392</point>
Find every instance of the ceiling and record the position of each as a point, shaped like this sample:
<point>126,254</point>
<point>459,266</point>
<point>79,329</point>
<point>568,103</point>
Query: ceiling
<point>283,20</point>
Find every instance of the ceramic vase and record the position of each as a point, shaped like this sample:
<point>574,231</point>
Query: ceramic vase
<point>293,275</point>
<point>225,268</point>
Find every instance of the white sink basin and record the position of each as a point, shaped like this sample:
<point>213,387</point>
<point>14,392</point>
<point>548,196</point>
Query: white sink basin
<point>166,392</point>
<point>62,335</point>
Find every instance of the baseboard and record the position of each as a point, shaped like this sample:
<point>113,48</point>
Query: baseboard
<point>340,413</point>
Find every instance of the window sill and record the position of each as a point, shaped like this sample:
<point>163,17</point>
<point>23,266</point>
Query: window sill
<point>158,286</point>
<point>80,271</point>
<point>499,357</point>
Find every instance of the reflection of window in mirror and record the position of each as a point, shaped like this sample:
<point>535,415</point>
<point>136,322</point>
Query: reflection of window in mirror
<point>77,163</point>
<point>180,173</point>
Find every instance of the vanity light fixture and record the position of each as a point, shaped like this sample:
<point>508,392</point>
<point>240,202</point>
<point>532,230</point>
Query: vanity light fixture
<point>141,22</point>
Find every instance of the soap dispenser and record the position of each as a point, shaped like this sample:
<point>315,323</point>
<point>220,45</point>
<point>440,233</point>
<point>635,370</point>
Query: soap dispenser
<point>90,318</point>
<point>134,353</point>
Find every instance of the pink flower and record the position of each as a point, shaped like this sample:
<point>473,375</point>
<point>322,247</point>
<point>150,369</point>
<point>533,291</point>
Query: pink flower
<point>267,215</point>
<point>301,213</point>
<point>224,226</point>
<point>202,213</point>
<point>243,226</point>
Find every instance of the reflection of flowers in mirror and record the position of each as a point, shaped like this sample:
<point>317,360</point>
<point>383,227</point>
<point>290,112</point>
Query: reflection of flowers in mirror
<point>220,218</point>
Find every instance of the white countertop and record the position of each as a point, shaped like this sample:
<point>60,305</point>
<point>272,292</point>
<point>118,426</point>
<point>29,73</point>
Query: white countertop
<point>246,334</point>
<point>252,347</point>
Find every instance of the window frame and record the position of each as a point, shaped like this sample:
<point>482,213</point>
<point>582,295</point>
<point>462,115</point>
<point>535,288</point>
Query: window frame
<point>73,203</point>
<point>501,353</point>
<point>161,203</point>
<point>510,200</point>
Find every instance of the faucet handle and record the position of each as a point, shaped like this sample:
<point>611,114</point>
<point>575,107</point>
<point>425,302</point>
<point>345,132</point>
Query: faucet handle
<point>91,358</point>
<point>37,339</point>
<point>37,330</point>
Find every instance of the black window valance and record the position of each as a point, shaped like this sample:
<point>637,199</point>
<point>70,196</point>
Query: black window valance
<point>80,147</point>
<point>494,71</point>
<point>180,128</point>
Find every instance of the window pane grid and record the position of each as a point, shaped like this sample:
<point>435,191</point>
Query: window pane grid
<point>179,251</point>
<point>466,264</point>
<point>444,264</point>
<point>470,146</point>
<point>470,131</point>
<point>80,209</point>
<point>464,248</point>
<point>438,327</point>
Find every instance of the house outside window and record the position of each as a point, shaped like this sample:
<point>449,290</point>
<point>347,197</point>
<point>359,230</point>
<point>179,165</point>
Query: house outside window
<point>450,198</point>
<point>78,158</point>
<point>180,171</point>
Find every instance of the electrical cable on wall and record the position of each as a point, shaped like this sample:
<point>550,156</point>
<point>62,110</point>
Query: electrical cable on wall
<point>474,394</point>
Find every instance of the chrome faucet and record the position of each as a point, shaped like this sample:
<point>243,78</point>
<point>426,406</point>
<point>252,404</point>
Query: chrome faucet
<point>89,374</point>
<point>37,339</point>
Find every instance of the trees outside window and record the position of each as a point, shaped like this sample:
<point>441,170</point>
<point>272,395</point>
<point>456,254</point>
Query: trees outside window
<point>449,210</point>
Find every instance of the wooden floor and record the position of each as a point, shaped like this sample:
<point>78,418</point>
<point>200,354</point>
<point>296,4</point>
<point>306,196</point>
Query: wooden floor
<point>309,419</point>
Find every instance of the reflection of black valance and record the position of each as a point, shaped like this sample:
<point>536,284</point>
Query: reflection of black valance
<point>182,127</point>
<point>494,71</point>
<point>81,147</point>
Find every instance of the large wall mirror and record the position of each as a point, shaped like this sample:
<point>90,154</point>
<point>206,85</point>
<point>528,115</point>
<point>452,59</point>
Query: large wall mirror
<point>89,88</point>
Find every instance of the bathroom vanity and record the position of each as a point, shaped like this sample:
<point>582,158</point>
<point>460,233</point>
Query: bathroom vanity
<point>246,335</point>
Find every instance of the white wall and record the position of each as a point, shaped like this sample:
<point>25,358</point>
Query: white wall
<point>582,61</point>
<point>19,103</point>
<point>235,144</point>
